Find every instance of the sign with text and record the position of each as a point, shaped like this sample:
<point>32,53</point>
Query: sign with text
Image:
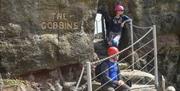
<point>61,21</point>
<point>59,18</point>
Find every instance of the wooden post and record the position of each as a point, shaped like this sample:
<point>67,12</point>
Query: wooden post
<point>132,43</point>
<point>163,84</point>
<point>89,80</point>
<point>155,58</point>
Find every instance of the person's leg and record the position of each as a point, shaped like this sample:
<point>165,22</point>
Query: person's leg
<point>110,37</point>
<point>123,87</point>
<point>115,41</point>
<point>108,88</point>
<point>119,41</point>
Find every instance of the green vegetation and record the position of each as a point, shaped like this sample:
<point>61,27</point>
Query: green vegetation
<point>13,82</point>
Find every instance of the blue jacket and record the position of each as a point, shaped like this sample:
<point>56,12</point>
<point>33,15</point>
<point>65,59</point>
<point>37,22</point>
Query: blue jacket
<point>106,77</point>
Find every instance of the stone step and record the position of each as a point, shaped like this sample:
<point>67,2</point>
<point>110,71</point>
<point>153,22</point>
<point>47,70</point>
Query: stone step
<point>135,76</point>
<point>135,87</point>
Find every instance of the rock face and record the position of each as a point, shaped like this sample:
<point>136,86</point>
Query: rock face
<point>45,34</point>
<point>169,58</point>
<point>163,13</point>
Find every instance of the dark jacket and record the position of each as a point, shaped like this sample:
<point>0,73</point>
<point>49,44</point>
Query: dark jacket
<point>104,76</point>
<point>116,23</point>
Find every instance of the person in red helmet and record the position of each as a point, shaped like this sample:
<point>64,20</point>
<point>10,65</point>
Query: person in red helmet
<point>111,77</point>
<point>117,25</point>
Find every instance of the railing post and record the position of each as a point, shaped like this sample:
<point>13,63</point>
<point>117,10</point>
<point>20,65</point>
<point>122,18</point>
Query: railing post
<point>155,57</point>
<point>132,43</point>
<point>105,31</point>
<point>77,85</point>
<point>89,80</point>
<point>1,83</point>
<point>103,28</point>
<point>163,84</point>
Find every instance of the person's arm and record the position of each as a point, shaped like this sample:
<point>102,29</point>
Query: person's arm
<point>125,19</point>
<point>120,82</point>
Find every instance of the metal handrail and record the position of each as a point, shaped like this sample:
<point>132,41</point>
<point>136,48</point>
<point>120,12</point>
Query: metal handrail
<point>124,48</point>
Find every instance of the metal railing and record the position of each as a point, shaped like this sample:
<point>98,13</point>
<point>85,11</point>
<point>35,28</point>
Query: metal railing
<point>137,54</point>
<point>134,49</point>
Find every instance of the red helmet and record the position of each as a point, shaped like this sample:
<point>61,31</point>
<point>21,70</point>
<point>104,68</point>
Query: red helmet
<point>112,51</point>
<point>119,7</point>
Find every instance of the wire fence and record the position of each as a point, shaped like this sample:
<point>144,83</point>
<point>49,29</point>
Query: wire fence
<point>144,49</point>
<point>143,58</point>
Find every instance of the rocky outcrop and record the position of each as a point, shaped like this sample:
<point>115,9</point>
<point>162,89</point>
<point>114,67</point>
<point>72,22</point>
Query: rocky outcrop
<point>44,34</point>
<point>169,58</point>
<point>138,77</point>
<point>163,13</point>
